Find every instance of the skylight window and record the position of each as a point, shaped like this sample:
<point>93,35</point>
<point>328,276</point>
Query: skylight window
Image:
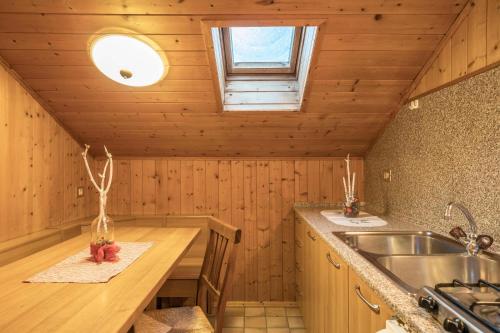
<point>257,50</point>
<point>261,68</point>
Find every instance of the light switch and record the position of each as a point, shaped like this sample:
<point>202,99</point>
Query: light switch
<point>387,174</point>
<point>79,191</point>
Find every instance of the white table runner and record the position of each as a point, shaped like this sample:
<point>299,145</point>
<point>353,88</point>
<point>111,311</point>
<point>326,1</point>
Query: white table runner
<point>79,269</point>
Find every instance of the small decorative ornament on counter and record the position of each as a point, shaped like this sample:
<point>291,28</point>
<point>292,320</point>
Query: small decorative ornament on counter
<point>351,204</point>
<point>102,241</point>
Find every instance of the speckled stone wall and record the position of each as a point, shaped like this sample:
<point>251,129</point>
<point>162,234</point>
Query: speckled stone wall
<point>447,150</point>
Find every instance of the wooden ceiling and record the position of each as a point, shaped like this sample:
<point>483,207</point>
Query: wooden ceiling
<point>369,53</point>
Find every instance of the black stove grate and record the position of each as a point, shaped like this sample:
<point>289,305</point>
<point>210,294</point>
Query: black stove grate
<point>444,290</point>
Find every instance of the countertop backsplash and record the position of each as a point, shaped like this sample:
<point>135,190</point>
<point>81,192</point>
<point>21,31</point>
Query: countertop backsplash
<point>446,150</point>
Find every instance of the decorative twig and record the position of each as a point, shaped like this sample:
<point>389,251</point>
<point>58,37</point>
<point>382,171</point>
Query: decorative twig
<point>348,175</point>
<point>349,187</point>
<point>103,191</point>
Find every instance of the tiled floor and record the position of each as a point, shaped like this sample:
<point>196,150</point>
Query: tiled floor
<point>268,318</point>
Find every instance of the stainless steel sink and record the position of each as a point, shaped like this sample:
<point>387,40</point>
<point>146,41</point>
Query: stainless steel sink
<point>416,259</point>
<point>414,272</point>
<point>397,243</point>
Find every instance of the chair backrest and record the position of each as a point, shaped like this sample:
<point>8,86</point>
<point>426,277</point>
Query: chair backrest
<point>216,272</point>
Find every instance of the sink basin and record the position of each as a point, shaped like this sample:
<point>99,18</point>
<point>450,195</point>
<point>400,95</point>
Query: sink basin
<point>415,272</point>
<point>414,259</point>
<point>401,243</point>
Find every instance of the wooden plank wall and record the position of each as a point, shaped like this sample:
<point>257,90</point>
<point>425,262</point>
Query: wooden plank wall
<point>40,166</point>
<point>256,195</point>
<point>474,46</point>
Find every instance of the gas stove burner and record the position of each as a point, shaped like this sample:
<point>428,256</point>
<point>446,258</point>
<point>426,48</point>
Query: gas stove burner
<point>464,307</point>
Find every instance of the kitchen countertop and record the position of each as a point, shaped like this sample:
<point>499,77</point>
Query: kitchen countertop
<point>404,306</point>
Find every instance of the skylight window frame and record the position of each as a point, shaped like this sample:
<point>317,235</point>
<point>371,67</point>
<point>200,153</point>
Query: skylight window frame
<point>233,93</point>
<point>257,68</point>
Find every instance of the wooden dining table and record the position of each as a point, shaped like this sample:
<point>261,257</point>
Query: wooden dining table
<point>86,307</point>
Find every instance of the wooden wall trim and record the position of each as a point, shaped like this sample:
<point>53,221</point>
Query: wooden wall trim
<point>457,80</point>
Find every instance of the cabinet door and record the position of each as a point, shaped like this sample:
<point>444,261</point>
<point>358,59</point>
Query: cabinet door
<point>336,297</point>
<point>367,312</point>
<point>307,301</point>
<point>311,280</point>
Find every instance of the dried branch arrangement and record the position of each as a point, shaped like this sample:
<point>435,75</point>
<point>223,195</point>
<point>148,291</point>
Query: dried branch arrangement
<point>349,186</point>
<point>102,245</point>
<point>101,189</point>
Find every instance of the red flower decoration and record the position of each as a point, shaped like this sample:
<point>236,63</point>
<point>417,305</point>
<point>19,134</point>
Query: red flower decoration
<point>106,252</point>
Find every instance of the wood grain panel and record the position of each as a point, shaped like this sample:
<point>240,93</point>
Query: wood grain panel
<point>369,52</point>
<point>493,32</point>
<point>335,72</point>
<point>41,166</point>
<point>78,42</point>
<point>81,58</point>
<point>470,49</point>
<point>229,7</point>
<point>79,85</point>
<point>373,58</point>
<point>256,195</point>
<point>238,220</point>
<point>379,42</point>
<point>476,32</point>
<point>30,71</point>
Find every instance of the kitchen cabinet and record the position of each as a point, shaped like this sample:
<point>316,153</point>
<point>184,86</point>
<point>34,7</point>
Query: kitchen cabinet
<point>332,297</point>
<point>308,278</point>
<point>336,302</point>
<point>367,312</point>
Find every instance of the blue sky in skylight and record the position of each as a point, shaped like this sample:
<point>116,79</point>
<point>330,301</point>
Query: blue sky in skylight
<point>261,44</point>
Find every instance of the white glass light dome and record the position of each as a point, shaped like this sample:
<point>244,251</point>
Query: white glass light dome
<point>127,60</point>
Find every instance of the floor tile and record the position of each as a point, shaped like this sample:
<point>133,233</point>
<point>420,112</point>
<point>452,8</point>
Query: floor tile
<point>255,330</point>
<point>295,322</point>
<point>255,322</point>
<point>275,312</point>
<point>293,312</point>
<point>273,322</point>
<point>297,330</point>
<point>254,311</point>
<point>233,330</point>
<point>233,322</point>
<point>278,330</point>
<point>235,311</point>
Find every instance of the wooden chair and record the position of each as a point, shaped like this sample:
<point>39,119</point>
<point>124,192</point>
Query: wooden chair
<point>213,284</point>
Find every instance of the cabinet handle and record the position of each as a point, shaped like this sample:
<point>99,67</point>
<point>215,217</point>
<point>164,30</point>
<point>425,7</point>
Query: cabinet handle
<point>298,243</point>
<point>374,307</point>
<point>335,264</point>
<point>297,267</point>
<point>311,236</point>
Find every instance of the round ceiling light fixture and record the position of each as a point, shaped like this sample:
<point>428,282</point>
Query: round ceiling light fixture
<point>128,60</point>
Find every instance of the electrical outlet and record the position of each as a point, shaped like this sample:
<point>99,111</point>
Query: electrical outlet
<point>387,175</point>
<point>79,191</point>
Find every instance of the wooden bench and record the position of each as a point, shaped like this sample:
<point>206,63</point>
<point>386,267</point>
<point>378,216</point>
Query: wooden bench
<point>18,248</point>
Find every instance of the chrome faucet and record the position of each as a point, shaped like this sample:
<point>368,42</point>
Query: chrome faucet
<point>474,243</point>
